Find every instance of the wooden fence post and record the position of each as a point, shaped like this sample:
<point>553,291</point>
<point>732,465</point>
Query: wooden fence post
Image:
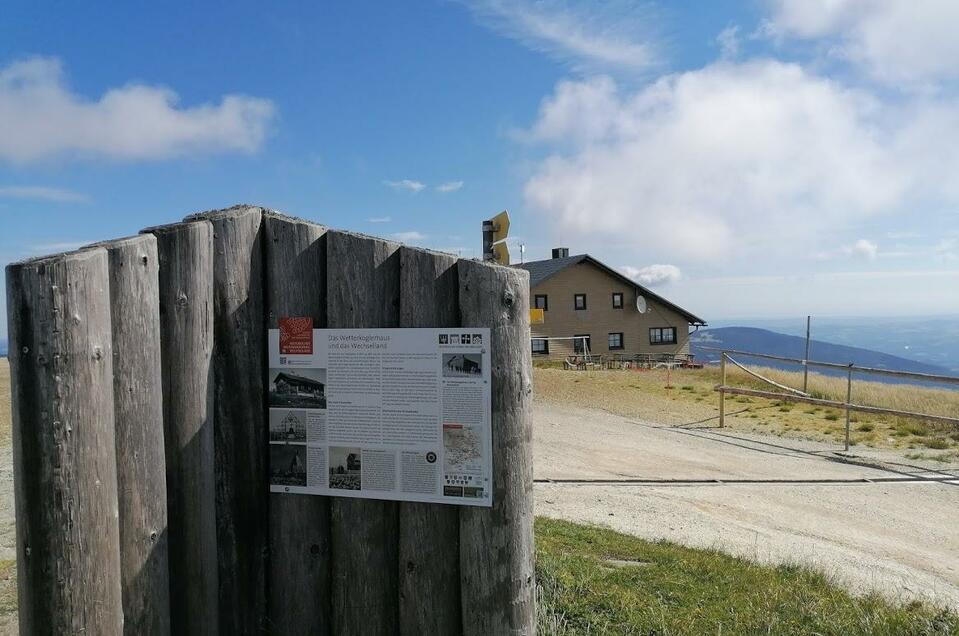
<point>138,413</point>
<point>299,581</point>
<point>239,425</point>
<point>722,390</point>
<point>186,341</point>
<point>429,575</point>
<point>61,364</point>
<point>496,544</point>
<point>363,292</point>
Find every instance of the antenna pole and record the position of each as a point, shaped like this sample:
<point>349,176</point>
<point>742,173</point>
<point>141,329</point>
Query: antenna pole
<point>805,360</point>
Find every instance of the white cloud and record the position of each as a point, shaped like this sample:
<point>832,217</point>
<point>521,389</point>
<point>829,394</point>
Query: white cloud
<point>653,275</point>
<point>42,193</point>
<point>904,234</point>
<point>947,249</point>
<point>728,40</point>
<point>449,186</point>
<point>734,156</point>
<point>406,184</point>
<point>40,118</point>
<point>379,219</point>
<point>411,236</point>
<point>612,34</point>
<point>863,248</point>
<point>895,41</point>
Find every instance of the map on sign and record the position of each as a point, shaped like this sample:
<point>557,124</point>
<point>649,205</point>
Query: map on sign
<point>399,414</point>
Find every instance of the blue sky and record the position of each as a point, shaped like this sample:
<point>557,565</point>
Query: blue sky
<point>763,159</point>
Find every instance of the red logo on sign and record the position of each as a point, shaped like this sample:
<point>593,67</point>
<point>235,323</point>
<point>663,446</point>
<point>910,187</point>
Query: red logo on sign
<point>296,336</point>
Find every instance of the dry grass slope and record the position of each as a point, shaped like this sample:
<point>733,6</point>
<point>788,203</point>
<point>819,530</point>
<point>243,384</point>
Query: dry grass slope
<point>5,415</point>
<point>8,568</point>
<point>690,399</point>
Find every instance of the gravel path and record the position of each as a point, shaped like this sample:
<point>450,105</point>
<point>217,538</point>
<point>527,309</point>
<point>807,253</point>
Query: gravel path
<point>900,538</point>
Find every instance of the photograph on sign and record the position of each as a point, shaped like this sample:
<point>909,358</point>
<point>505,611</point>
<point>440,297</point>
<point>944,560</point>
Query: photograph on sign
<point>397,414</point>
<point>288,464</point>
<point>304,388</point>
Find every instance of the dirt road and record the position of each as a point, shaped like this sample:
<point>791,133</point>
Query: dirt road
<point>891,526</point>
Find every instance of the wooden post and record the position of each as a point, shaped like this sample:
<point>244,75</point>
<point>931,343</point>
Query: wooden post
<point>363,278</point>
<point>848,403</point>
<point>429,575</point>
<point>299,579</point>
<point>805,360</point>
<point>138,408</point>
<point>61,363</point>
<point>496,544</point>
<point>239,417</point>
<point>722,390</point>
<point>186,340</point>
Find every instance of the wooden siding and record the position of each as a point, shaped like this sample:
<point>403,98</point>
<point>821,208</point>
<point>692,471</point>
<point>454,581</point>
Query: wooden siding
<point>599,319</point>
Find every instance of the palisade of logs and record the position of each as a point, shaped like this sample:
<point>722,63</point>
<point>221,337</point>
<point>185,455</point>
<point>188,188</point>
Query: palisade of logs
<point>139,373</point>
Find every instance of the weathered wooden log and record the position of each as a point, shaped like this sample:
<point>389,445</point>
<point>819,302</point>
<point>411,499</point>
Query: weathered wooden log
<point>186,344</point>
<point>299,577</point>
<point>138,416</point>
<point>68,555</point>
<point>239,417</point>
<point>429,575</point>
<point>496,544</point>
<point>363,278</point>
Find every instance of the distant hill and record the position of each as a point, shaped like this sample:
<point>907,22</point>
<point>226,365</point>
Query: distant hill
<point>778,344</point>
<point>3,347</point>
<point>930,339</point>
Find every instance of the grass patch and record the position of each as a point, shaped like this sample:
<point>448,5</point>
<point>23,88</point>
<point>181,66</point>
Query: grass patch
<point>865,428</point>
<point>944,458</point>
<point>595,581</point>
<point>937,443</point>
<point>832,417</point>
<point>6,417</point>
<point>913,428</point>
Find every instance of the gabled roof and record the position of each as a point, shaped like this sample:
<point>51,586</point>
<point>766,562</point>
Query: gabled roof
<point>540,271</point>
<point>292,378</point>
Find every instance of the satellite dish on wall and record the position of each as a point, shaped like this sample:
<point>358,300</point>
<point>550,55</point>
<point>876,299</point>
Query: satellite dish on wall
<point>640,304</point>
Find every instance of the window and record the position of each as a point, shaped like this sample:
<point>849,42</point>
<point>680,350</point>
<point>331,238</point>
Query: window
<point>579,301</point>
<point>581,340</point>
<point>615,341</point>
<point>540,301</point>
<point>540,345</point>
<point>662,335</point>
<point>617,300</point>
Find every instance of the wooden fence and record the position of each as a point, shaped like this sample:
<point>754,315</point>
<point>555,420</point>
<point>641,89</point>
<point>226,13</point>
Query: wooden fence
<point>790,394</point>
<point>140,440</point>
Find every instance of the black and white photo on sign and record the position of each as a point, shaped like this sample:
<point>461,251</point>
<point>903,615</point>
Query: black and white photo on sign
<point>288,464</point>
<point>462,365</point>
<point>287,425</point>
<point>301,388</point>
<point>444,338</point>
<point>477,338</point>
<point>345,468</point>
